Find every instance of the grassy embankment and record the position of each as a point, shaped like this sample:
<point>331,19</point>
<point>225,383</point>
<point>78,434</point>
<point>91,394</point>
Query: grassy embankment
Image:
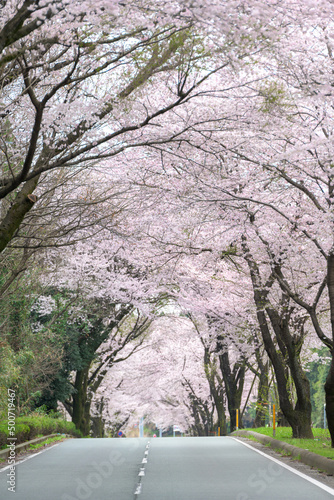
<point>321,444</point>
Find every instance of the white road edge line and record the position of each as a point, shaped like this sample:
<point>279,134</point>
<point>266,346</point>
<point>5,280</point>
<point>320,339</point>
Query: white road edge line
<point>291,469</point>
<point>28,458</point>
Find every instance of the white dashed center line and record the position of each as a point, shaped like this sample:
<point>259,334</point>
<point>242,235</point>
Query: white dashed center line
<point>141,473</point>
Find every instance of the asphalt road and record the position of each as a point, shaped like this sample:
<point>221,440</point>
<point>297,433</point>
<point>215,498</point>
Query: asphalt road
<point>156,469</point>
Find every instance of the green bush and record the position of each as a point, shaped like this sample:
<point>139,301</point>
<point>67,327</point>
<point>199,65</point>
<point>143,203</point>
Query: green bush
<point>29,427</point>
<point>39,425</point>
<point>69,428</point>
<point>22,433</point>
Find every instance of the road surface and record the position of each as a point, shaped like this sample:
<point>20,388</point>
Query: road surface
<point>156,469</point>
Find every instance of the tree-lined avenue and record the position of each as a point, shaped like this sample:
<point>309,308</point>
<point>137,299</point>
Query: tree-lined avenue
<point>164,469</point>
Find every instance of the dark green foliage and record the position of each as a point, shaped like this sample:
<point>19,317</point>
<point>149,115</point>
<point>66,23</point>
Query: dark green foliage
<point>81,336</point>
<point>28,356</point>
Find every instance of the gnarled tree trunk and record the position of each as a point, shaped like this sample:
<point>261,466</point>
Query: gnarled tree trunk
<point>299,417</point>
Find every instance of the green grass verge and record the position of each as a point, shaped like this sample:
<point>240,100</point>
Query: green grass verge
<point>321,444</point>
<point>45,442</point>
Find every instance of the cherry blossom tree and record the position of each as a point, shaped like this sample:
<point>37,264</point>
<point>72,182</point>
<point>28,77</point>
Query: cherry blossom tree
<point>163,381</point>
<point>90,375</point>
<point>80,78</point>
<point>294,152</point>
<point>187,156</point>
<point>265,152</point>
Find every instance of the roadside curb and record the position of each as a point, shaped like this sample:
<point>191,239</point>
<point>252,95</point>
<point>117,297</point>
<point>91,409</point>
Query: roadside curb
<point>307,457</point>
<point>24,446</point>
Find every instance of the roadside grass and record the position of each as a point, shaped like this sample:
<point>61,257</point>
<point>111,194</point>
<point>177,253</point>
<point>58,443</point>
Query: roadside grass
<point>46,442</point>
<point>321,444</point>
<point>35,447</point>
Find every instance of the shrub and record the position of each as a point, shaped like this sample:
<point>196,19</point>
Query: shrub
<point>29,427</point>
<point>22,433</point>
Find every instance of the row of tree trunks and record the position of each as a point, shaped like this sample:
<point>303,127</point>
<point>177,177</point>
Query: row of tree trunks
<point>287,354</point>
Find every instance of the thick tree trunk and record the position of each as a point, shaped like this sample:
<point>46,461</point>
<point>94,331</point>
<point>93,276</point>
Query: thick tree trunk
<point>221,417</point>
<point>202,417</point>
<point>329,385</point>
<point>97,427</point>
<point>303,408</point>
<point>299,417</point>
<point>80,417</point>
<point>97,422</point>
<point>216,390</point>
<point>197,426</point>
<point>23,203</point>
<point>87,416</point>
<point>234,382</point>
